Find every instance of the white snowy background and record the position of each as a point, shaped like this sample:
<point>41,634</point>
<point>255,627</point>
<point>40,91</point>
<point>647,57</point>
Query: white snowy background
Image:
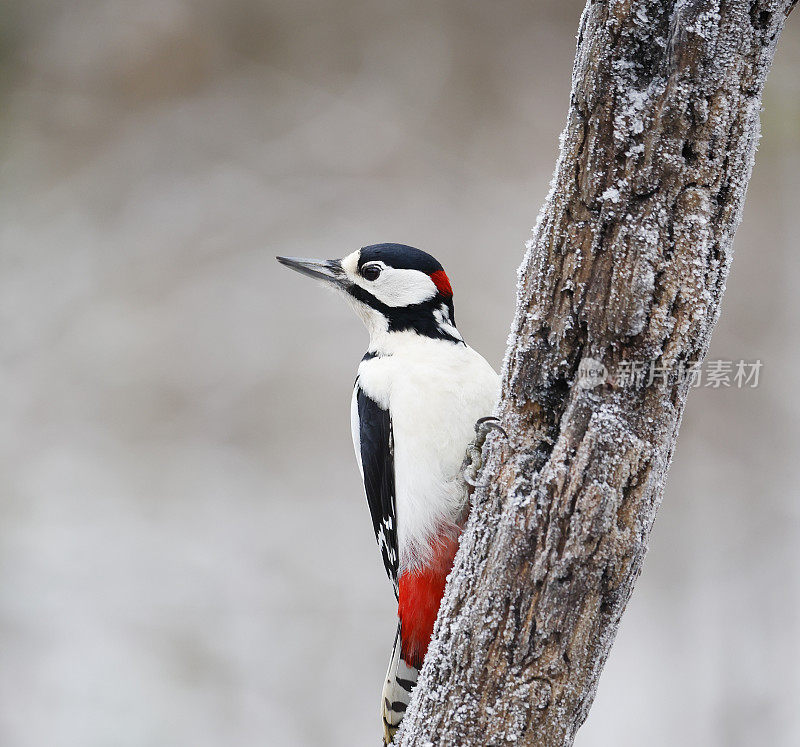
<point>185,553</point>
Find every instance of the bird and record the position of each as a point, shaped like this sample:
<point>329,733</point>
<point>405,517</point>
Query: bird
<point>418,393</point>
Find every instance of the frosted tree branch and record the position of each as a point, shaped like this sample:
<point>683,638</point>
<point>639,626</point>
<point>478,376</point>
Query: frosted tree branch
<point>627,263</point>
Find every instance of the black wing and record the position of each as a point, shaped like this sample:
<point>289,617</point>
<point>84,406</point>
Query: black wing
<point>377,462</point>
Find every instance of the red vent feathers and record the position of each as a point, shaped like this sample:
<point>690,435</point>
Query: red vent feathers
<point>419,599</point>
<point>442,282</point>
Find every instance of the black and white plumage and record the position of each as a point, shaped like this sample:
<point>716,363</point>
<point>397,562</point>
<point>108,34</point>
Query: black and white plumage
<point>419,391</point>
<point>372,425</point>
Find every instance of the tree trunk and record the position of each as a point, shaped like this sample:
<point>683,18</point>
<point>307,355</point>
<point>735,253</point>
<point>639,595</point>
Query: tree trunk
<point>627,265</point>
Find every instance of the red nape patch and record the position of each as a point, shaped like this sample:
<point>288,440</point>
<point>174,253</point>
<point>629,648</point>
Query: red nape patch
<point>442,282</point>
<point>419,599</point>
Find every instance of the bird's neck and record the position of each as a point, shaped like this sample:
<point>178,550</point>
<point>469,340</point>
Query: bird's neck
<point>411,344</point>
<point>401,326</point>
<point>433,319</point>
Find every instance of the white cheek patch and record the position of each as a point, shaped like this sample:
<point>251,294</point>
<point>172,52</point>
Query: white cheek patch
<point>393,287</point>
<point>401,287</point>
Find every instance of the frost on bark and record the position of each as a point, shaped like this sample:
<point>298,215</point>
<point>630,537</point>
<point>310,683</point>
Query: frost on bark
<point>627,262</point>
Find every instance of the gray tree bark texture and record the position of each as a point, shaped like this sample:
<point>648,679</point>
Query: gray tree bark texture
<point>628,262</point>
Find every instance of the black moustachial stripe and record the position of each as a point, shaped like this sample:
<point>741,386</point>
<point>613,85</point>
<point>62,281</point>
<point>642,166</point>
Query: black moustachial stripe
<point>377,461</point>
<point>419,317</point>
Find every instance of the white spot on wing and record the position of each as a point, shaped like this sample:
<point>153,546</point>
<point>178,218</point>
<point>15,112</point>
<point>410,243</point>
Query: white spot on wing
<point>442,317</point>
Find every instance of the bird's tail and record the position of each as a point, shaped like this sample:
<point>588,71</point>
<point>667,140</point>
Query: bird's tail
<point>400,679</point>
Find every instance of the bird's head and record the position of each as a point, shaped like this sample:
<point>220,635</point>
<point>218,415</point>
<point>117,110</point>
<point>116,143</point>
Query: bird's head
<point>392,287</point>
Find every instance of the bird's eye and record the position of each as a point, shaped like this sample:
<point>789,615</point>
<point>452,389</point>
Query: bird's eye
<point>371,272</point>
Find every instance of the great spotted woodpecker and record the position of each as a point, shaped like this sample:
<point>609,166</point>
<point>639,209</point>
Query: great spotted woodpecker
<point>419,391</point>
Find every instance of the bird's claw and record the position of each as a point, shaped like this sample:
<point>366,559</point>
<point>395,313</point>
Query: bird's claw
<point>484,425</point>
<point>473,462</point>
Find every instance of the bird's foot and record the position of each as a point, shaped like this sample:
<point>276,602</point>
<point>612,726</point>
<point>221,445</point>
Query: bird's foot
<point>473,461</point>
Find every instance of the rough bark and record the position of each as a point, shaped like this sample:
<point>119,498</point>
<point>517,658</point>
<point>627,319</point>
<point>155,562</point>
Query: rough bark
<point>628,262</point>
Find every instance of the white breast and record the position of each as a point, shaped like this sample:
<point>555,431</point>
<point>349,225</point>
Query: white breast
<point>435,392</point>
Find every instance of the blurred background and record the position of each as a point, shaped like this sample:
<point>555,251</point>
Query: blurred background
<point>186,556</point>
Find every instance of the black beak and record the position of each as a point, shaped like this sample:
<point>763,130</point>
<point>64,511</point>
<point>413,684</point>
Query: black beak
<point>329,270</point>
